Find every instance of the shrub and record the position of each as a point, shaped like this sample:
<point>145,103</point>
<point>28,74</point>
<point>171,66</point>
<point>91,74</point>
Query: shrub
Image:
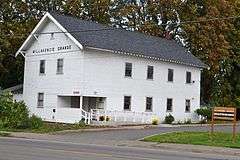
<point>155,121</point>
<point>101,118</point>
<point>13,114</point>
<point>187,121</point>
<point>80,124</point>
<point>169,119</point>
<point>35,122</point>
<point>179,122</point>
<point>237,102</point>
<point>205,112</point>
<point>107,118</point>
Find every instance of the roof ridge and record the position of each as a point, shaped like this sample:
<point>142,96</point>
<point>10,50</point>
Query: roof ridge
<point>112,27</point>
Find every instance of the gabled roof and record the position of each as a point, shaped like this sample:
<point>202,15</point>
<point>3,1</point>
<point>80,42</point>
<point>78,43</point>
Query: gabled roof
<point>122,41</point>
<point>92,35</point>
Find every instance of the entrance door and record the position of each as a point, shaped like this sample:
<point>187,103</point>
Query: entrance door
<point>75,102</point>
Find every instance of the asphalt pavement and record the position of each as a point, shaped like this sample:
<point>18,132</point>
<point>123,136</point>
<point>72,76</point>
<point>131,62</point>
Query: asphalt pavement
<point>30,149</point>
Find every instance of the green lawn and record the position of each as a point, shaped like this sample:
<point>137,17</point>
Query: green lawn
<point>196,138</point>
<point>49,127</point>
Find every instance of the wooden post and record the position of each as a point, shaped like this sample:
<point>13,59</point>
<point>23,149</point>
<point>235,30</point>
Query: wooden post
<point>212,124</point>
<point>234,125</point>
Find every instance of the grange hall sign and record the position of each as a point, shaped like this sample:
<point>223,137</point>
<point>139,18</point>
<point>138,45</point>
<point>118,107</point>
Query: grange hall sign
<point>52,49</point>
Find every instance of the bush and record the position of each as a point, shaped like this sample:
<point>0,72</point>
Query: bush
<point>35,122</point>
<point>12,114</point>
<point>80,124</point>
<point>155,121</point>
<point>237,102</point>
<point>169,119</point>
<point>107,118</point>
<point>187,121</point>
<point>101,118</point>
<point>205,112</point>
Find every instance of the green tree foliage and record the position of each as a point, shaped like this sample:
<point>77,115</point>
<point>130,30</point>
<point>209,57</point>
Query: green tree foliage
<point>15,115</point>
<point>12,114</point>
<point>215,42</point>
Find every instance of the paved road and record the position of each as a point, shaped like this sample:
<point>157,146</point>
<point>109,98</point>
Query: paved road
<point>115,136</point>
<point>25,149</point>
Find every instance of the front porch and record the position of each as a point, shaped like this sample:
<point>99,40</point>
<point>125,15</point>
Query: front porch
<point>72,109</point>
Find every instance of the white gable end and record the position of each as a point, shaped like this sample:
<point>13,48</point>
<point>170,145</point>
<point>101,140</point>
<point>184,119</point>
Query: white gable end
<point>55,43</point>
<point>44,28</point>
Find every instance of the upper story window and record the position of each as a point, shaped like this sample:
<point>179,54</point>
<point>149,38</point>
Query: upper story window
<point>128,69</point>
<point>60,66</point>
<point>42,67</point>
<point>40,100</point>
<point>127,103</point>
<point>169,105</point>
<point>188,77</point>
<point>150,72</point>
<point>149,103</point>
<point>170,75</point>
<point>187,105</point>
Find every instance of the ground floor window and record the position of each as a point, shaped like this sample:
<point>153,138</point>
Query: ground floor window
<point>149,103</point>
<point>169,104</point>
<point>40,100</point>
<point>187,105</point>
<point>127,103</point>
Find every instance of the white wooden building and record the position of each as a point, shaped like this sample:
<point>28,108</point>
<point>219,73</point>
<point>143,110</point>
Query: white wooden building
<point>78,69</point>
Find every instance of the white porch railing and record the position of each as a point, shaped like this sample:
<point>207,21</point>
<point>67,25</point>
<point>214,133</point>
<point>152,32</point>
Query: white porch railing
<point>87,116</point>
<point>122,116</point>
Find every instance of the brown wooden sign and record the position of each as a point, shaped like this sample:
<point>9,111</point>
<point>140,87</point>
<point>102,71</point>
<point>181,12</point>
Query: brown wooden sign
<point>225,114</point>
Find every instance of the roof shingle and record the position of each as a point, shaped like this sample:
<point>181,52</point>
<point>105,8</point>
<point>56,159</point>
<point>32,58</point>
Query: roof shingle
<point>120,40</point>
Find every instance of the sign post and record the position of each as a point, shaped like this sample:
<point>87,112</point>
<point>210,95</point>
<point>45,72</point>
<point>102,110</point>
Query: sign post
<point>226,114</point>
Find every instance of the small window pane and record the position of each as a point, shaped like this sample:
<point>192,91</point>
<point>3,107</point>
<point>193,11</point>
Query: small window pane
<point>40,99</point>
<point>188,77</point>
<point>42,67</point>
<point>170,75</point>
<point>169,104</point>
<point>127,103</point>
<point>150,72</point>
<point>60,66</point>
<point>128,69</point>
<point>149,104</point>
<point>187,105</point>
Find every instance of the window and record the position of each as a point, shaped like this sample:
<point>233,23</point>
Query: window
<point>128,69</point>
<point>188,77</point>
<point>40,99</point>
<point>150,72</point>
<point>169,104</point>
<point>127,103</point>
<point>170,75</point>
<point>148,103</point>
<point>60,66</point>
<point>187,105</point>
<point>42,67</point>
